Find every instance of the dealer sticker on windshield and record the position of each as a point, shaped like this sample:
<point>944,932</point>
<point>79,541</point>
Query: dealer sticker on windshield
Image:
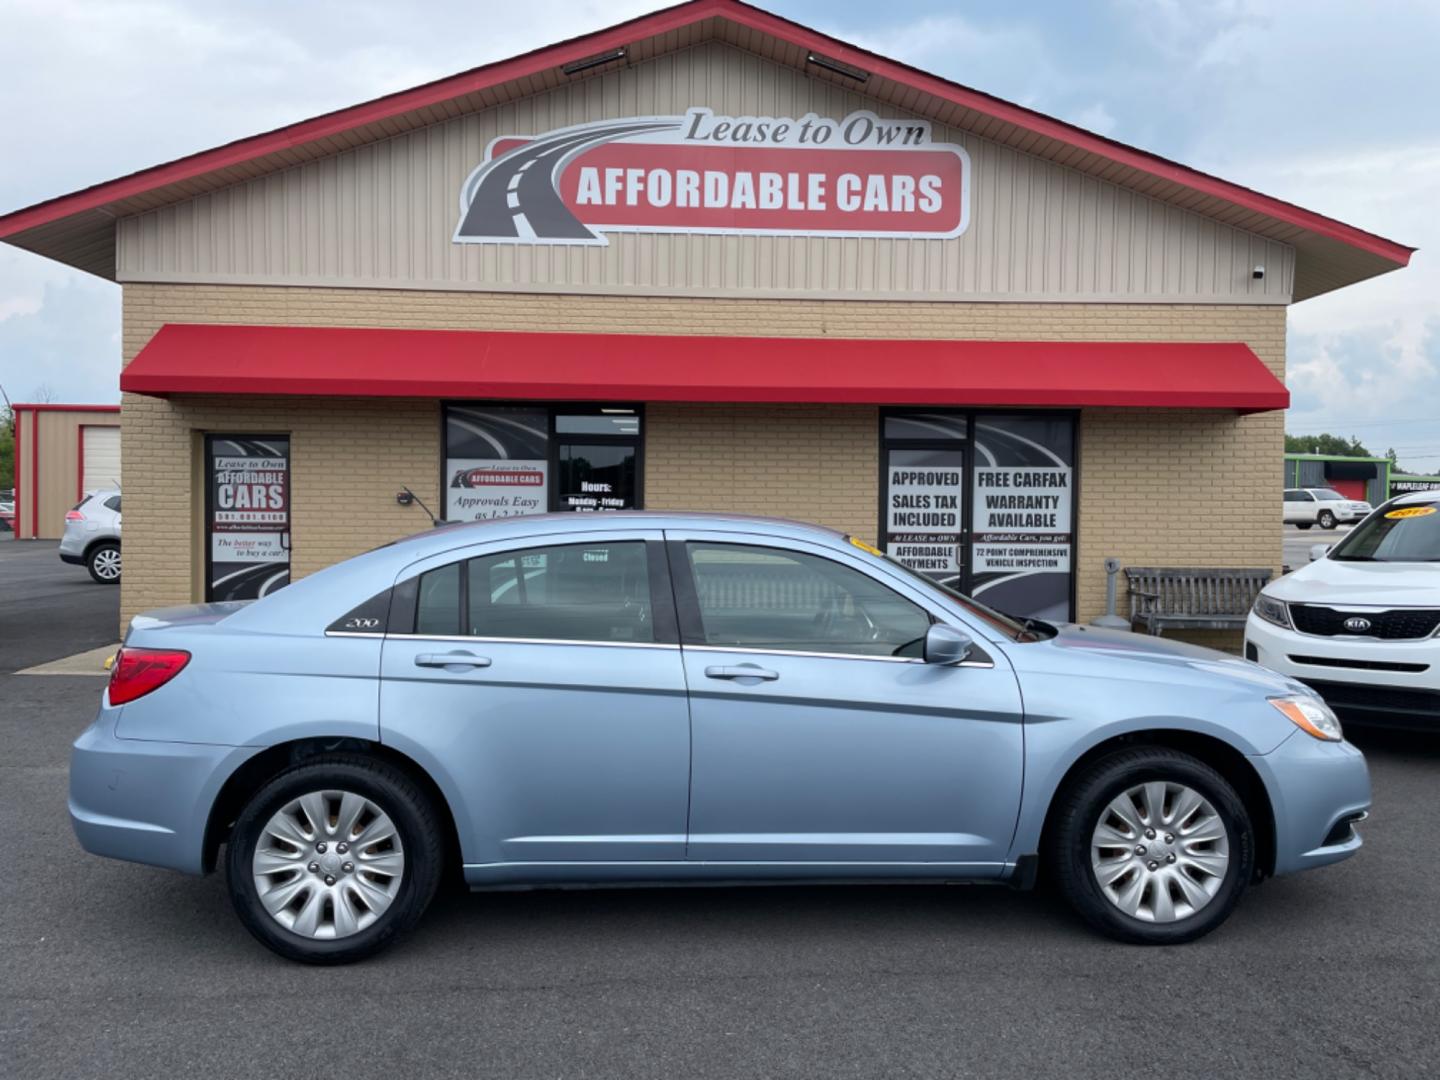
<point>863,546</point>
<point>1410,511</point>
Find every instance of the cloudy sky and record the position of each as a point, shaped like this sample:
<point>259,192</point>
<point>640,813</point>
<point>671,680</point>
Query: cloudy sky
<point>1327,103</point>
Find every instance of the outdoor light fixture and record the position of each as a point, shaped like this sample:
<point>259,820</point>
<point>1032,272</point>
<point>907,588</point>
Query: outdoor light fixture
<point>837,67</point>
<point>1258,273</point>
<point>577,66</point>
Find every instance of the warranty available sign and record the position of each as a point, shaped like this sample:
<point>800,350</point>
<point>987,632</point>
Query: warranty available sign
<point>702,173</point>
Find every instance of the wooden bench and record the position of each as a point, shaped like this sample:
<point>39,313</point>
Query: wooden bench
<point>1185,597</point>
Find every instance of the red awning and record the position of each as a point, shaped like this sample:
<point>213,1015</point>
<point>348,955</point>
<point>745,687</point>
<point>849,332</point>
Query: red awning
<point>192,359</point>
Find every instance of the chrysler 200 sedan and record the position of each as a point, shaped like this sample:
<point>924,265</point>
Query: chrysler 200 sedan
<point>670,698</point>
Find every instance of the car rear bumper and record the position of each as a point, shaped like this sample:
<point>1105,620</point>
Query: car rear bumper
<point>142,801</point>
<point>74,560</point>
<point>1318,792</point>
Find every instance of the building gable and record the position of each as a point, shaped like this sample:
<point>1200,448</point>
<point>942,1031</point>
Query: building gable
<point>385,214</point>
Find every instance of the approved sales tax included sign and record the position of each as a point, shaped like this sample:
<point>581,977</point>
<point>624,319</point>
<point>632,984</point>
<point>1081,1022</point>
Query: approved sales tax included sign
<point>702,173</point>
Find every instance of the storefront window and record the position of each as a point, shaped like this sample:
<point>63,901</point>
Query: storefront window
<point>247,515</point>
<point>506,460</point>
<point>984,503</point>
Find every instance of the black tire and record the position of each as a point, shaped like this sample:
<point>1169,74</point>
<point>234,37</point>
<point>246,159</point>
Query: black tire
<point>103,562</point>
<point>1305,526</point>
<point>1078,809</point>
<point>414,817</point>
<point>1325,519</point>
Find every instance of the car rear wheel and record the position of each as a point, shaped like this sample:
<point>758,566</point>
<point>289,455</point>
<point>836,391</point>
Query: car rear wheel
<point>1326,519</point>
<point>1152,846</point>
<point>332,860</point>
<point>103,562</point>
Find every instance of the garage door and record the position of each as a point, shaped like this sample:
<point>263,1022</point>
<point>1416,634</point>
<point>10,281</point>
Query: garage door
<point>101,468</point>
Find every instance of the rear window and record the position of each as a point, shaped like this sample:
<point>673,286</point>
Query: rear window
<point>113,503</point>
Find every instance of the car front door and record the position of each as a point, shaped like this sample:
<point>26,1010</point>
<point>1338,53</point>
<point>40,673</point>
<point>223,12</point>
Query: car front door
<point>542,681</point>
<point>819,735</point>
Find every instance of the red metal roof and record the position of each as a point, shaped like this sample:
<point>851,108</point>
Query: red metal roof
<point>196,359</point>
<point>78,228</point>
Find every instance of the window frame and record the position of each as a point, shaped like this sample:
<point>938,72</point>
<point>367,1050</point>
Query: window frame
<point>404,608</point>
<point>553,441</point>
<point>886,443</point>
<point>691,622</point>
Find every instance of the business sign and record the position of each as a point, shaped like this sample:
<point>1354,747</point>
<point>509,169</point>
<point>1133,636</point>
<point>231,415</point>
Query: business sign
<point>482,490</point>
<point>860,175</point>
<point>248,522</point>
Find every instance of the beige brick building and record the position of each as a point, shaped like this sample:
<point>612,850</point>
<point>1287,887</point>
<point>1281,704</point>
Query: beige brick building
<point>900,329</point>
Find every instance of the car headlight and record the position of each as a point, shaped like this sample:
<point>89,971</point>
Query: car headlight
<point>1310,715</point>
<point>1272,611</point>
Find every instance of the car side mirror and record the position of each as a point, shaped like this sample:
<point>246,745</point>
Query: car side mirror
<point>947,645</point>
<point>1318,551</point>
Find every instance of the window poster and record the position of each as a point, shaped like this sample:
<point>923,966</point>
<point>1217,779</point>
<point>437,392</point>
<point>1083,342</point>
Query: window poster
<point>496,462</point>
<point>248,526</point>
<point>924,510</point>
<point>1022,492</point>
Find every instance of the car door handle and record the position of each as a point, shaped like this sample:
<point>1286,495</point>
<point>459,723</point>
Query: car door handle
<point>451,659</point>
<point>740,671</point>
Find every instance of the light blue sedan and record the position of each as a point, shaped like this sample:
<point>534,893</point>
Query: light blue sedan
<point>646,698</point>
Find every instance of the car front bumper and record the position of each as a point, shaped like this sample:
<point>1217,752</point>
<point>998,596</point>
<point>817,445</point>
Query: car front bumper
<point>1349,672</point>
<point>1318,791</point>
<point>144,801</point>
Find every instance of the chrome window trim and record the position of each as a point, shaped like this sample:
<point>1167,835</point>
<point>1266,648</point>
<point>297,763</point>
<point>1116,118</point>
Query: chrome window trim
<point>827,655</point>
<point>535,641</point>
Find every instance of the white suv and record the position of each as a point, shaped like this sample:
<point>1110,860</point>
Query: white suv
<point>1361,624</point>
<point>1321,506</point>
<point>92,536</point>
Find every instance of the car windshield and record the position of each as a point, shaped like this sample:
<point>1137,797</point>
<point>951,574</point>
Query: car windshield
<point>1328,494</point>
<point>1408,533</point>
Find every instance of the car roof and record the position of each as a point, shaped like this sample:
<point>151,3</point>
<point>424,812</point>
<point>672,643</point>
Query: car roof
<point>1411,497</point>
<point>457,534</point>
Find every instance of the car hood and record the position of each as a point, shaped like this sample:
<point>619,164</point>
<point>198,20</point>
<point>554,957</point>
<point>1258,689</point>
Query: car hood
<point>1150,659</point>
<point>1373,584</point>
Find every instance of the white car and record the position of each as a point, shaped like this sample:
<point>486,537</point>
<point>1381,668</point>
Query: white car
<point>1325,507</point>
<point>1361,624</point>
<point>92,536</point>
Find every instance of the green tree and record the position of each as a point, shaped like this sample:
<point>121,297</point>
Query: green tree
<point>1336,445</point>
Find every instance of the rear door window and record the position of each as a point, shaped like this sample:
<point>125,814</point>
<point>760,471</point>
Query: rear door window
<point>566,592</point>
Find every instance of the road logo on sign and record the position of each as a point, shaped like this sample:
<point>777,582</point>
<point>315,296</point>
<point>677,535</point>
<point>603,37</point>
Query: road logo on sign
<point>701,173</point>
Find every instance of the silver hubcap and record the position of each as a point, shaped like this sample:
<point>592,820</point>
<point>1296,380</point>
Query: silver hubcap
<point>328,864</point>
<point>1160,851</point>
<point>107,563</point>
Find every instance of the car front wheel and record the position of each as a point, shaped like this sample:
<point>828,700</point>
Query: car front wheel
<point>1152,846</point>
<point>103,562</point>
<point>330,861</point>
<point>1326,519</point>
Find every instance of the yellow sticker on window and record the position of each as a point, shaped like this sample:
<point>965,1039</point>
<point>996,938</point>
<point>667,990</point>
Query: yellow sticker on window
<point>863,546</point>
<point>1410,511</point>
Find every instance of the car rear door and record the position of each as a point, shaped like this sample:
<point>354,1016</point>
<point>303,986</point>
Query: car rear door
<point>541,683</point>
<point>813,744</point>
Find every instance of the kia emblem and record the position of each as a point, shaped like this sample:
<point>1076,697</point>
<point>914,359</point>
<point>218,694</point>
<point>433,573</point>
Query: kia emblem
<point>1357,625</point>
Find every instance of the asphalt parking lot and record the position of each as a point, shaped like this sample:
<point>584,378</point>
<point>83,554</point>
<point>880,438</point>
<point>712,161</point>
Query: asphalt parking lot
<point>1298,542</point>
<point>119,970</point>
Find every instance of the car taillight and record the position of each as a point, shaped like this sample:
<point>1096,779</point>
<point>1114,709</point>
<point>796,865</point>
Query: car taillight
<point>138,671</point>
<point>74,515</point>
